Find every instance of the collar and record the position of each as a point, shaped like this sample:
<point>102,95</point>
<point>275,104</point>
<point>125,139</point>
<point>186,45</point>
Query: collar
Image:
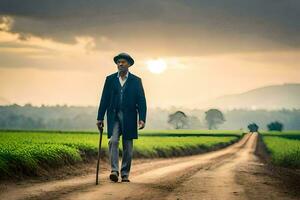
<point>126,76</point>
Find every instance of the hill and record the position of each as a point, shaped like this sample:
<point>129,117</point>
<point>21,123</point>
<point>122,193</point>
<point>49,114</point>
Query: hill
<point>268,97</point>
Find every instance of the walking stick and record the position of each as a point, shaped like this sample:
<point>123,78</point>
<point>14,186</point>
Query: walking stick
<point>99,149</point>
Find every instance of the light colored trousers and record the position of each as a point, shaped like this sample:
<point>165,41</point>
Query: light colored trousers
<point>113,146</point>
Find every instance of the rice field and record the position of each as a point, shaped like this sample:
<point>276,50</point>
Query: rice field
<point>283,147</point>
<point>27,152</point>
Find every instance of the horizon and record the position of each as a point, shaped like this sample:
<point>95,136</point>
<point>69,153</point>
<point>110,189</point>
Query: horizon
<point>170,107</point>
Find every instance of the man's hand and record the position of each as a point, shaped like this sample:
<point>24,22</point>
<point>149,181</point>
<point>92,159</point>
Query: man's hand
<point>100,124</point>
<point>141,124</point>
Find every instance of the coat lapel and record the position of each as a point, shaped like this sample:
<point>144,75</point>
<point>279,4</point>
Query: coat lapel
<point>129,78</point>
<point>115,81</point>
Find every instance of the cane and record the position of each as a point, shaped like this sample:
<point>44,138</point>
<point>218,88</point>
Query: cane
<point>99,149</point>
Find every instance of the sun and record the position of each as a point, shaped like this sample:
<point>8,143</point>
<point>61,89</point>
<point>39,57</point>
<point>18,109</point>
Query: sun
<point>157,66</point>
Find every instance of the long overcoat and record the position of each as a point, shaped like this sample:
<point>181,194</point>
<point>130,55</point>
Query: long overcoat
<point>134,104</point>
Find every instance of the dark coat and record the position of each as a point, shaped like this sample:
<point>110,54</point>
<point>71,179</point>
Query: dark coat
<point>134,102</point>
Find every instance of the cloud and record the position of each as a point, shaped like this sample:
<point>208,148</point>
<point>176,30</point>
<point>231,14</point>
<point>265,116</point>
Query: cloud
<point>169,28</point>
<point>5,23</point>
<point>46,53</point>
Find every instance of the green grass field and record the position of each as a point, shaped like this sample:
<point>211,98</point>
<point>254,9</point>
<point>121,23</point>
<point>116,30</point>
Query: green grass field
<point>26,152</point>
<point>284,148</point>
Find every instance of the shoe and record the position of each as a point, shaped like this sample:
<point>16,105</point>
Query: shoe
<point>114,176</point>
<point>125,179</point>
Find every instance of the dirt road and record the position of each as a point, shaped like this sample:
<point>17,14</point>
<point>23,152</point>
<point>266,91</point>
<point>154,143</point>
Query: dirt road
<point>231,173</point>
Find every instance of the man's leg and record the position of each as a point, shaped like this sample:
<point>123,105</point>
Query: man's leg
<point>113,146</point>
<point>127,150</point>
<point>126,157</point>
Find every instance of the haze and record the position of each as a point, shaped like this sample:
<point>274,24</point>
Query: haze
<point>59,52</point>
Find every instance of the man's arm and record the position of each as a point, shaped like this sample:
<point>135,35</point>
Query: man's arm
<point>142,105</point>
<point>104,101</point>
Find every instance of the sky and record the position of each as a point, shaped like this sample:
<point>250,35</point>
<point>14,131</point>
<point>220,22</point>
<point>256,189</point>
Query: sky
<point>187,52</point>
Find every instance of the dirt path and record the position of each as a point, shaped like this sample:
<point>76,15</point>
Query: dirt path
<point>231,173</point>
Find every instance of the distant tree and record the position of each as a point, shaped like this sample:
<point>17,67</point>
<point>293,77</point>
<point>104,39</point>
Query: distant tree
<point>28,105</point>
<point>214,117</point>
<point>253,127</point>
<point>178,120</point>
<point>275,126</point>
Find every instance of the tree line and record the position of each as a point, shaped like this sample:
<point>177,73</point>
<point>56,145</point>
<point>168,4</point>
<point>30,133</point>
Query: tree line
<point>214,118</point>
<point>63,117</point>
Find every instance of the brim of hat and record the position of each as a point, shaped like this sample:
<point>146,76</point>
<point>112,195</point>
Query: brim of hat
<point>129,59</point>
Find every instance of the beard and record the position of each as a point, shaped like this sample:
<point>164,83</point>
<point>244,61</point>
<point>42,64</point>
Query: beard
<point>121,69</point>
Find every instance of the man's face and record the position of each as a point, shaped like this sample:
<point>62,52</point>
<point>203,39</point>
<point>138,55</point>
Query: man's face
<point>123,65</point>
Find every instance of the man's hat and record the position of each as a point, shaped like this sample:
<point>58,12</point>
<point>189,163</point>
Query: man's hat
<point>124,56</point>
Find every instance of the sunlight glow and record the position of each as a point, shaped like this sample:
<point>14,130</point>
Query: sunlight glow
<point>156,66</point>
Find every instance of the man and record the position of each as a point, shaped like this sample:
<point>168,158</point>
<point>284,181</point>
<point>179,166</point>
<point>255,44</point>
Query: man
<point>124,99</point>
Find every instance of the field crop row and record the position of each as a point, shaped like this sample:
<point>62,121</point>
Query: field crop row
<point>283,147</point>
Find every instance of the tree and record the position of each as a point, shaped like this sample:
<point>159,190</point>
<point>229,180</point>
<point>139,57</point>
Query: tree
<point>28,105</point>
<point>214,117</point>
<point>275,126</point>
<point>253,127</point>
<point>178,119</point>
